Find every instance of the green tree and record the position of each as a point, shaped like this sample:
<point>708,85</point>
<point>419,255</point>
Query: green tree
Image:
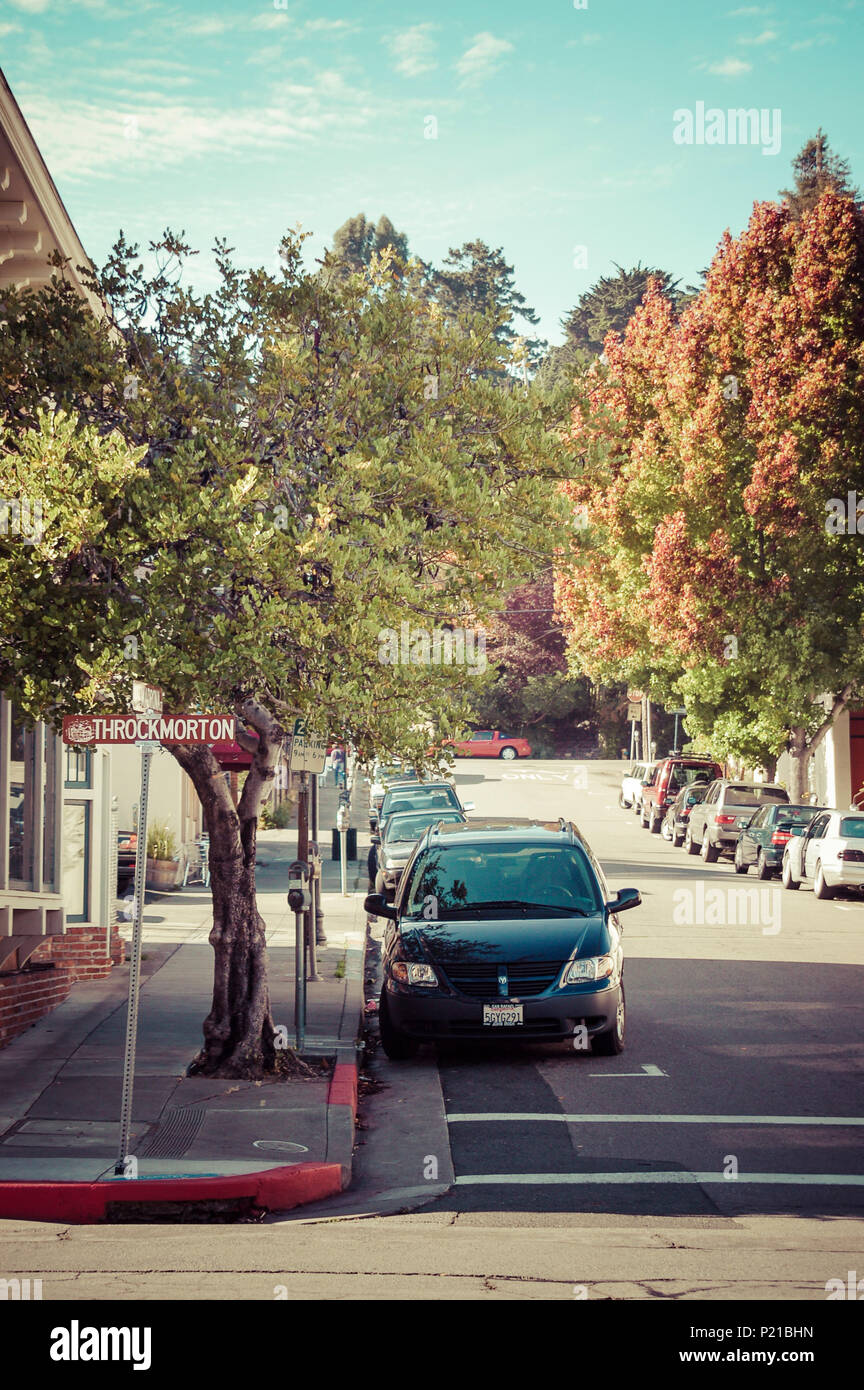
<point>474,279</point>
<point>607,307</point>
<point>358,240</point>
<point>242,491</point>
<point>816,169</point>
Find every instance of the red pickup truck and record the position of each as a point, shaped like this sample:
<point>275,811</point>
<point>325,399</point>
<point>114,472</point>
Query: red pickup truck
<point>491,743</point>
<point>670,776</point>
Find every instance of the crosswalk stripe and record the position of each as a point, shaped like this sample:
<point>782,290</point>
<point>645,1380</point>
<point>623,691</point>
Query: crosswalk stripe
<point>650,1179</point>
<point>807,1120</point>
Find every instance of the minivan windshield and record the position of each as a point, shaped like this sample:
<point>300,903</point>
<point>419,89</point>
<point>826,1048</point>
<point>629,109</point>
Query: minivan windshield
<point>852,827</point>
<point>506,879</point>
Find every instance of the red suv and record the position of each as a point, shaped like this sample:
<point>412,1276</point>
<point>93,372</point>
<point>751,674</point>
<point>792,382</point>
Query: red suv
<point>671,775</point>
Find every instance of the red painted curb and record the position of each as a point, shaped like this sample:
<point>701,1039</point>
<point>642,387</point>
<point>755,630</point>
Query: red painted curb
<point>87,1202</point>
<point>343,1085</point>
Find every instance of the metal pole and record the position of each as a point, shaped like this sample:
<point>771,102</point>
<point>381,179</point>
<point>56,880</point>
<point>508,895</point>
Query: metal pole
<point>299,982</point>
<point>343,866</point>
<point>134,964</point>
<point>675,744</point>
<point>302,917</point>
<point>304,852</point>
<point>320,935</point>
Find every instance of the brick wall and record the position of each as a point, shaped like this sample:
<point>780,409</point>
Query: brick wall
<point>45,981</point>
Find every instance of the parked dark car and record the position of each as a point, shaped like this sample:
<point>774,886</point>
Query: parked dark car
<point>419,796</point>
<point>675,821</point>
<point>502,929</point>
<point>763,841</point>
<point>717,822</point>
<point>671,775</point>
<point>396,845</point>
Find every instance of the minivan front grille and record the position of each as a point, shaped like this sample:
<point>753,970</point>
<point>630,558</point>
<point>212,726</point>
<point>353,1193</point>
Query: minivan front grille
<point>479,980</point>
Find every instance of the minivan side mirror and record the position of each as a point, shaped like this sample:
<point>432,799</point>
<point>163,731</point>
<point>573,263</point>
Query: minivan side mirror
<point>467,805</point>
<point>625,898</point>
<point>376,905</point>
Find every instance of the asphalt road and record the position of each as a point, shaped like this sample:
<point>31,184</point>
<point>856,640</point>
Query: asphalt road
<point>740,1088</point>
<point>538,1173</point>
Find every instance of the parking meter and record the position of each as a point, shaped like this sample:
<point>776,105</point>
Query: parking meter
<point>343,816</point>
<point>299,897</point>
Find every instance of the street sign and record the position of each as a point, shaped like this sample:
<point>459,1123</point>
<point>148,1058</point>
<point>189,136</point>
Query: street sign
<point>308,752</point>
<point>634,714</point>
<point>83,729</point>
<point>682,710</point>
<point>146,699</point>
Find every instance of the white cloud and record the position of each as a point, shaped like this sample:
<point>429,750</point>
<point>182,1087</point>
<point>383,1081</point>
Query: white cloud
<point>767,36</point>
<point>481,58</point>
<point>9,29</point>
<point>31,6</point>
<point>206,28</point>
<point>90,140</point>
<point>275,19</point>
<point>414,50</point>
<point>730,67</point>
<point>747,11</point>
<point>818,42</point>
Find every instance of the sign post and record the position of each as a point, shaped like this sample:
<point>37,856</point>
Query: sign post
<point>124,1161</point>
<point>308,752</point>
<point>149,729</point>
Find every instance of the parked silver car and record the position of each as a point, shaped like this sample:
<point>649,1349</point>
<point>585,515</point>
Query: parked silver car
<point>716,823</point>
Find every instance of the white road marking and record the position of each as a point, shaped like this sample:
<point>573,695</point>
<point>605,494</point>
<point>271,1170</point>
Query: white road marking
<point>496,1116</point>
<point>648,1069</point>
<point>682,1178</point>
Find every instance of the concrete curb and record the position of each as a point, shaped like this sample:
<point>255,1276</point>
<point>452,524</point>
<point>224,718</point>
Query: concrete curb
<point>342,1115</point>
<point>85,1203</point>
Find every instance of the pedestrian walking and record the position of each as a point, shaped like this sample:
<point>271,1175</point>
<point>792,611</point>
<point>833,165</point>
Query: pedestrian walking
<point>339,766</point>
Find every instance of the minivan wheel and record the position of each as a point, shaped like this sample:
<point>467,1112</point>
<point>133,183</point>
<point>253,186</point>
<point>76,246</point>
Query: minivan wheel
<point>508,754</point>
<point>739,865</point>
<point>654,824</point>
<point>397,1046</point>
<point>610,1043</point>
<point>690,844</point>
<point>820,887</point>
<point>786,876</point>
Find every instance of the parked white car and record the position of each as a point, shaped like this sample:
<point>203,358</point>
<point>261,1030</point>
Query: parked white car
<point>829,855</point>
<point>631,783</point>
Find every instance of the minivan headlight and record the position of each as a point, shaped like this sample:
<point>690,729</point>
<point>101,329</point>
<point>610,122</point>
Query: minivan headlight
<point>411,973</point>
<point>589,968</point>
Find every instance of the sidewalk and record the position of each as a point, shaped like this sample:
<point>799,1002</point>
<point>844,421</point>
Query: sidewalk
<point>273,1142</point>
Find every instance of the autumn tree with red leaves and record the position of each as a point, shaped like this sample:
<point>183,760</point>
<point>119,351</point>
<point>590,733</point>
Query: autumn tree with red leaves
<point>712,446</point>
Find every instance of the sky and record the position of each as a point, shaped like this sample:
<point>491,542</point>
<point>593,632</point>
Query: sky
<point>553,129</point>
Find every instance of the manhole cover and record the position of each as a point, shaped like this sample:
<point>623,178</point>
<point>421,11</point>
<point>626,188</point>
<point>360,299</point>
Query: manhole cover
<point>282,1146</point>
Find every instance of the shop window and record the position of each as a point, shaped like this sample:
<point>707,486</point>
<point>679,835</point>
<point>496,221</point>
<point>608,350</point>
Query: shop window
<point>21,803</point>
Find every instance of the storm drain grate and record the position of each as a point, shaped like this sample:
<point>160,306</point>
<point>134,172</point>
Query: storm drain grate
<point>176,1133</point>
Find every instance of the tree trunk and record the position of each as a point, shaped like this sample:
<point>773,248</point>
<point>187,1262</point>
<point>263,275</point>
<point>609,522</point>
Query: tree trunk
<point>238,1031</point>
<point>801,749</point>
<point>799,759</point>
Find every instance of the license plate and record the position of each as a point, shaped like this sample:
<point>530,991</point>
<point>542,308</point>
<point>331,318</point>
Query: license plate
<point>502,1015</point>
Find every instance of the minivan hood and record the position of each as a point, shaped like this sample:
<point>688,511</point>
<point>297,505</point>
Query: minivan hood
<point>512,939</point>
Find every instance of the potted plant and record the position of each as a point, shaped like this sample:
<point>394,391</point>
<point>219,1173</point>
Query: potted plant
<point>161,857</point>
